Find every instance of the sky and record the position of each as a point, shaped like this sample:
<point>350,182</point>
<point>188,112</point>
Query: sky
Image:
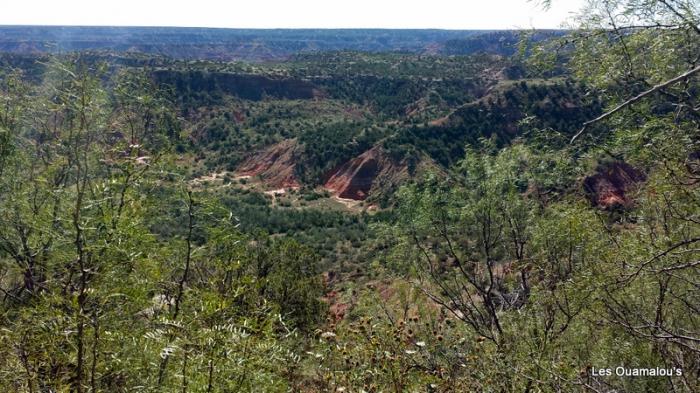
<point>443,14</point>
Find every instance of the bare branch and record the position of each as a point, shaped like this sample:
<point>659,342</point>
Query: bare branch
<point>681,16</point>
<point>633,100</point>
<point>679,267</point>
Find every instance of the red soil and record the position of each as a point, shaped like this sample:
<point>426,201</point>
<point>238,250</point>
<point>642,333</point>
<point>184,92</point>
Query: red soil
<point>357,177</point>
<point>275,165</point>
<point>609,187</point>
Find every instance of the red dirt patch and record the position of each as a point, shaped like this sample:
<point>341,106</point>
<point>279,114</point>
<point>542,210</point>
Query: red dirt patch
<point>336,309</point>
<point>372,171</point>
<point>354,179</point>
<point>609,186</point>
<point>275,165</point>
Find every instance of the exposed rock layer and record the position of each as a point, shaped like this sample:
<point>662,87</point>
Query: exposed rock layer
<point>372,172</point>
<point>276,165</point>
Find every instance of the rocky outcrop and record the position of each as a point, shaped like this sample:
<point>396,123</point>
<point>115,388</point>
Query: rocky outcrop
<point>610,186</point>
<point>372,172</point>
<point>354,179</point>
<point>275,165</point>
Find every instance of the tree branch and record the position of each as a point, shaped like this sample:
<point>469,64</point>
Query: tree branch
<point>635,99</point>
<point>690,23</point>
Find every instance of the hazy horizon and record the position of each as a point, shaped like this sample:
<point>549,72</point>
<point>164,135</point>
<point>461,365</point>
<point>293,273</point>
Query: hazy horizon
<point>303,14</point>
<point>275,28</point>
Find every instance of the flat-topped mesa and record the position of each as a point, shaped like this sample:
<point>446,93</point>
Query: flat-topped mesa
<point>246,86</point>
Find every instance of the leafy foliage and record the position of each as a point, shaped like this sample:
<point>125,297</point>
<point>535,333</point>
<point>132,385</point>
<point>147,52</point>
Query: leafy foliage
<point>121,270</point>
